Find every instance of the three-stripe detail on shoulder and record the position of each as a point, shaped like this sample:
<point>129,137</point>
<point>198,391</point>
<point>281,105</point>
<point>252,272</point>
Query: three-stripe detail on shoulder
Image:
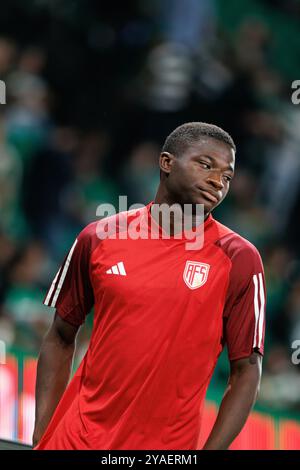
<point>259,309</point>
<point>58,281</point>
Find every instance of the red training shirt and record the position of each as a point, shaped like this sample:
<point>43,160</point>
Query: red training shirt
<point>162,315</point>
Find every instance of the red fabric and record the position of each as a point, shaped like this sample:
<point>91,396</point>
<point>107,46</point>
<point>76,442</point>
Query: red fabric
<point>75,298</point>
<point>240,327</point>
<point>155,340</point>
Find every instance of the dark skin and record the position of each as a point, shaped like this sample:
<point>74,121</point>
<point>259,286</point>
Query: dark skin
<point>53,372</point>
<point>237,402</point>
<point>208,164</point>
<point>201,175</point>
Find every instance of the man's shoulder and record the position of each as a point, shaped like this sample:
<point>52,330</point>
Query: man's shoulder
<point>234,245</point>
<point>108,227</point>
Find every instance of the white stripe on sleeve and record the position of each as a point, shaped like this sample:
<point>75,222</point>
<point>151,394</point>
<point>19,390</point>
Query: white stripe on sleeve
<point>262,309</point>
<point>256,308</point>
<point>63,275</point>
<point>50,291</point>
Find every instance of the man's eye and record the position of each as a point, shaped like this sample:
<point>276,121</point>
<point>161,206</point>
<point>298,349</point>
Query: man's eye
<point>205,165</point>
<point>227,178</point>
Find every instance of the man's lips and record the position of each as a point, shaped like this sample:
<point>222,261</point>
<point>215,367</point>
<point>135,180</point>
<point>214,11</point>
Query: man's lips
<point>209,196</point>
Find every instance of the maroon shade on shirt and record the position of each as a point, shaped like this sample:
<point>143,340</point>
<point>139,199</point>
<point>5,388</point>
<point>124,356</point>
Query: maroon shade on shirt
<point>162,315</point>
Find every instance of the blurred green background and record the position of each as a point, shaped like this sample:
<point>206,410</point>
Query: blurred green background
<point>93,89</point>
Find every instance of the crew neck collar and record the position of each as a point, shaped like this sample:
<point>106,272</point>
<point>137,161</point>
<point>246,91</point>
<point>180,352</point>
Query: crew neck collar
<point>207,223</point>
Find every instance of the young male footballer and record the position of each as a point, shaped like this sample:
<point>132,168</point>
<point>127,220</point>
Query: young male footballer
<point>162,315</point>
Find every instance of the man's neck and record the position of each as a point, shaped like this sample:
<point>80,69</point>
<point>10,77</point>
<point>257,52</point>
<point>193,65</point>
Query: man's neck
<point>178,220</point>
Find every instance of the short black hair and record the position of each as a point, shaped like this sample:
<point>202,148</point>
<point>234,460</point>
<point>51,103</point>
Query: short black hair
<point>190,132</point>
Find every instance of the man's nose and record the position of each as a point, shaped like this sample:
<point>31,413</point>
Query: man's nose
<point>216,180</point>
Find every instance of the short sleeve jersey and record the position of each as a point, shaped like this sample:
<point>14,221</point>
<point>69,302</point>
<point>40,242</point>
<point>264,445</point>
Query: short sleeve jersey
<point>162,315</point>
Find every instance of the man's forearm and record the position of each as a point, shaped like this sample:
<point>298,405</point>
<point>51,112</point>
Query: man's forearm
<point>53,373</point>
<point>234,410</point>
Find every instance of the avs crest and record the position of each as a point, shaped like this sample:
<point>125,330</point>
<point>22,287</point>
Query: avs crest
<point>195,274</point>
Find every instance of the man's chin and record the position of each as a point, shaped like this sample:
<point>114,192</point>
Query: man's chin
<point>198,208</point>
<point>206,206</point>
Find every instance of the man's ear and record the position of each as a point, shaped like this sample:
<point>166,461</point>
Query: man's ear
<point>166,161</point>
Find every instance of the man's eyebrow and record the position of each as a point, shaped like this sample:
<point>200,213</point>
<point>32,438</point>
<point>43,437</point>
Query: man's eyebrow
<point>212,159</point>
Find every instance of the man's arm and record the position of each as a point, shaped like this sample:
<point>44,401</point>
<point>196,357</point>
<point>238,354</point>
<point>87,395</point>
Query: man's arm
<point>239,397</point>
<point>53,372</point>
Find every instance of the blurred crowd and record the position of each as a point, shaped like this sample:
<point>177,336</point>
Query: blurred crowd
<point>91,94</point>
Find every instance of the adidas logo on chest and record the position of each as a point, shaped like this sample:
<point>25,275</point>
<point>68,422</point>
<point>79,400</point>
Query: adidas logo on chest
<point>118,269</point>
